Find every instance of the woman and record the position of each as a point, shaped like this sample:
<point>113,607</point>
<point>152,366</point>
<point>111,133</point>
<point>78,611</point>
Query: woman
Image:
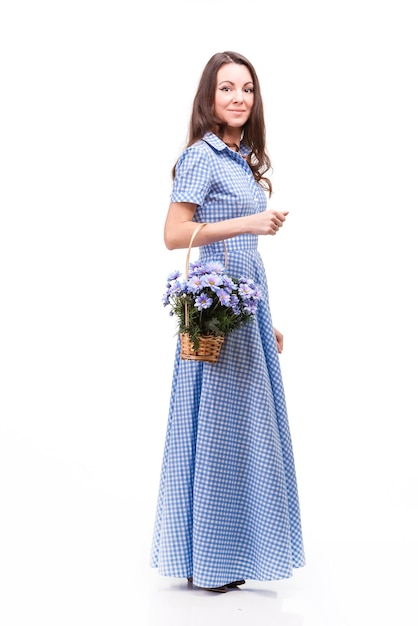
<point>228,507</point>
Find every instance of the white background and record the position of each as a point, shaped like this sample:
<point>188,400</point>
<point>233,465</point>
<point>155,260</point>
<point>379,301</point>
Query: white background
<point>95,103</point>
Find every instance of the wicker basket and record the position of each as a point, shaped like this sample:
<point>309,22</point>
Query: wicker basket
<point>209,345</point>
<point>208,350</point>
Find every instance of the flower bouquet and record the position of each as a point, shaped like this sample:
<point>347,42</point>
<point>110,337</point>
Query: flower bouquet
<point>208,305</point>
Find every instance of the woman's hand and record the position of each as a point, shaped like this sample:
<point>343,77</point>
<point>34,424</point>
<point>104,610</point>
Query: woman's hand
<point>267,222</point>
<point>279,340</point>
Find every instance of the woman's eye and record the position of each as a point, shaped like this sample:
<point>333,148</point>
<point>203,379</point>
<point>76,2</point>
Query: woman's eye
<point>249,90</point>
<point>225,89</point>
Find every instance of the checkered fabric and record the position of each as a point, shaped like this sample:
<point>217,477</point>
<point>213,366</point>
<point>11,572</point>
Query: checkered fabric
<point>228,506</point>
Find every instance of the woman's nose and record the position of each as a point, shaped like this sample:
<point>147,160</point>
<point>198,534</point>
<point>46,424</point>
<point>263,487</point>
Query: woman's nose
<point>238,96</point>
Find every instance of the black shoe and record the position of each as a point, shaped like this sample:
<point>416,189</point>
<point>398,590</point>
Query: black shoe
<point>236,583</point>
<point>222,589</point>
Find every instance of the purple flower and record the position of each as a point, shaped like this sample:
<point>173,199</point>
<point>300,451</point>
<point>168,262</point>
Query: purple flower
<point>235,305</point>
<point>224,297</point>
<point>250,308</point>
<point>228,282</point>
<point>257,293</point>
<point>173,276</point>
<point>197,269</point>
<point>195,284</point>
<point>212,281</point>
<point>214,267</point>
<point>245,290</point>
<point>203,302</point>
<point>176,288</point>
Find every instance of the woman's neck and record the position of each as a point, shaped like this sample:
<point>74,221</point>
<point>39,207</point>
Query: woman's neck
<point>233,146</point>
<point>232,139</point>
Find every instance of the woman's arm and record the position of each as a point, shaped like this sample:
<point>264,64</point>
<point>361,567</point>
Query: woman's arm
<point>179,226</point>
<point>279,340</point>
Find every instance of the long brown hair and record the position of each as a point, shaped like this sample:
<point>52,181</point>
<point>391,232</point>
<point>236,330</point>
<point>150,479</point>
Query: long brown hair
<point>204,120</point>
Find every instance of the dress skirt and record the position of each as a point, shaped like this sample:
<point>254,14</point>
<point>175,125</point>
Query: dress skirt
<point>228,506</point>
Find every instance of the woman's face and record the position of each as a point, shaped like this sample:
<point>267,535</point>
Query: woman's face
<point>234,95</point>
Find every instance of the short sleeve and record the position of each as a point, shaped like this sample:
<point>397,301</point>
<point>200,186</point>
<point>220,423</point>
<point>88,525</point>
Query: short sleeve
<point>192,180</point>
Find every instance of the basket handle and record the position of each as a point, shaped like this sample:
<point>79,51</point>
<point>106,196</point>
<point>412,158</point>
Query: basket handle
<point>196,230</point>
<point>186,274</point>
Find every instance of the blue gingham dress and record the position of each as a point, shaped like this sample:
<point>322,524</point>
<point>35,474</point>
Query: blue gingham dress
<point>228,506</point>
